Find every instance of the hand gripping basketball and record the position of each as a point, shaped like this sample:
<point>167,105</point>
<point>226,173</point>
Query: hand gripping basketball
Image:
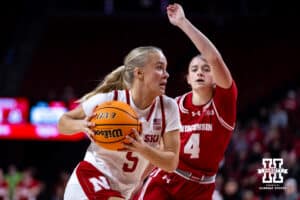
<point>113,121</point>
<point>134,142</point>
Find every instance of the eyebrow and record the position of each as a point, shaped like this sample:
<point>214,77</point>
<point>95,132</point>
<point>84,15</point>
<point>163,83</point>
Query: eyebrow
<point>161,63</point>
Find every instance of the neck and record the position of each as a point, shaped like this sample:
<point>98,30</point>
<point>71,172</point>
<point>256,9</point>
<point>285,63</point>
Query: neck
<point>201,97</point>
<point>141,101</point>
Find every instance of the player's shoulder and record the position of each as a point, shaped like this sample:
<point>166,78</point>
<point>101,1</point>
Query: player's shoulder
<point>182,103</point>
<point>102,95</point>
<point>178,98</point>
<point>169,101</point>
<point>181,99</point>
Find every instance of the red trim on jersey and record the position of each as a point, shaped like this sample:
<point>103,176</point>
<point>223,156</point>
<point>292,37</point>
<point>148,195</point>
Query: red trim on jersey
<point>127,97</point>
<point>222,121</point>
<point>85,172</point>
<point>163,115</point>
<point>226,114</point>
<point>116,95</point>
<point>151,111</point>
<point>178,99</point>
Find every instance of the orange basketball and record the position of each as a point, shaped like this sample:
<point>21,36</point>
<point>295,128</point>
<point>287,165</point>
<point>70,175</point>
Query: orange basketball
<point>113,122</point>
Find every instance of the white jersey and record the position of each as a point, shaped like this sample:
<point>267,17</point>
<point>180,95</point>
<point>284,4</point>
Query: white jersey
<point>125,169</point>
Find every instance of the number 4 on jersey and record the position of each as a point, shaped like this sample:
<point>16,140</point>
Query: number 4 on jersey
<point>193,146</point>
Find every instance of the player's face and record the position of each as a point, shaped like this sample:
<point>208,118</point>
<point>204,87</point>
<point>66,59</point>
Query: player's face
<point>199,75</point>
<point>155,74</point>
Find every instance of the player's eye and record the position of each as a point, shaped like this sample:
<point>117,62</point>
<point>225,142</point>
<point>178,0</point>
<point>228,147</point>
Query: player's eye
<point>205,68</point>
<point>160,67</point>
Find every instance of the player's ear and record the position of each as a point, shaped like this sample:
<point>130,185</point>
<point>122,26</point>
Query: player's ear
<point>138,72</point>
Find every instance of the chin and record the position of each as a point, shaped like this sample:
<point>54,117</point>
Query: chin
<point>162,92</point>
<point>201,87</point>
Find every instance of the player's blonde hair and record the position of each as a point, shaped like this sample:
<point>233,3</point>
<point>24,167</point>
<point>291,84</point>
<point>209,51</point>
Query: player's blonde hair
<point>122,77</point>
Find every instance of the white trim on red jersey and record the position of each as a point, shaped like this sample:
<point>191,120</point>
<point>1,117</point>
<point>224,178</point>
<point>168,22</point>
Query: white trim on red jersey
<point>221,120</point>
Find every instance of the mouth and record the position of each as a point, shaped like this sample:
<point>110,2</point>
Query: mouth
<point>199,80</point>
<point>163,85</point>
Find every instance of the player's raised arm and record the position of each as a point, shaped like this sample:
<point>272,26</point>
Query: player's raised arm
<point>220,71</point>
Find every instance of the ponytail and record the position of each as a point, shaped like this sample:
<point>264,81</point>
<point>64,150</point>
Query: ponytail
<point>112,81</point>
<point>122,77</point>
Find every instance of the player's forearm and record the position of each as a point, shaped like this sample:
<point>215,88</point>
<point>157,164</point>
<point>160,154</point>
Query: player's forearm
<point>166,160</point>
<point>67,125</point>
<point>220,71</point>
<point>202,43</point>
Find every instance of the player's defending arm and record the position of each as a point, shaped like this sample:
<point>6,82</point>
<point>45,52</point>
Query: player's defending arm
<point>220,71</point>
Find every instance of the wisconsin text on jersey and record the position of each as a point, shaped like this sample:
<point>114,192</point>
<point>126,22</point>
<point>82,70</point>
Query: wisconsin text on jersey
<point>197,127</point>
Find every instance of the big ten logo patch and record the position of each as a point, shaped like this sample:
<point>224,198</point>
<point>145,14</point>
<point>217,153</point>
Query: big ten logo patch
<point>272,170</point>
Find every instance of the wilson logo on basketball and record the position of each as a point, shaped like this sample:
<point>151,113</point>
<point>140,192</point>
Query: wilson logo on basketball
<point>113,133</point>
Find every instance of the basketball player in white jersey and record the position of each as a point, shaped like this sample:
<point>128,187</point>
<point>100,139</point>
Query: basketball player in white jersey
<point>106,174</point>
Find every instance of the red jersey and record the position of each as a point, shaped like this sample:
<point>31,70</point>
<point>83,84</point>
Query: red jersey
<point>206,130</point>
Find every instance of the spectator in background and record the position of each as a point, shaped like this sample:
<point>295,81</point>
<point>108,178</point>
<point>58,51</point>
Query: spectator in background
<point>263,118</point>
<point>291,106</point>
<point>249,195</point>
<point>231,190</point>
<point>278,117</point>
<point>217,195</point>
<point>28,188</point>
<point>4,188</point>
<point>291,191</point>
<point>254,133</point>
<point>13,177</point>
<point>290,103</point>
<point>60,185</point>
<point>292,164</point>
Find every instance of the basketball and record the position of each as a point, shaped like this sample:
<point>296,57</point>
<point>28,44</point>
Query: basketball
<point>113,122</point>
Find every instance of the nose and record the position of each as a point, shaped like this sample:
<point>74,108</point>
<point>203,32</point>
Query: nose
<point>166,74</point>
<point>200,73</point>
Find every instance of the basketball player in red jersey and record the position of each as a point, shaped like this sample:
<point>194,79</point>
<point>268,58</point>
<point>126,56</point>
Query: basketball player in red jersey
<point>208,115</point>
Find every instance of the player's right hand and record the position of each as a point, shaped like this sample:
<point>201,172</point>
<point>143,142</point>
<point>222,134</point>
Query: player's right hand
<point>175,14</point>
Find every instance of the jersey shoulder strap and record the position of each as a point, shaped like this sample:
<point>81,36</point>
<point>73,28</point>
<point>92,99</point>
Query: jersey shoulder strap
<point>116,96</point>
<point>163,115</point>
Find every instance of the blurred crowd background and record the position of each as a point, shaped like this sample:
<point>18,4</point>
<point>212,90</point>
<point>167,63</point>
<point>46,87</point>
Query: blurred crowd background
<point>57,50</point>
